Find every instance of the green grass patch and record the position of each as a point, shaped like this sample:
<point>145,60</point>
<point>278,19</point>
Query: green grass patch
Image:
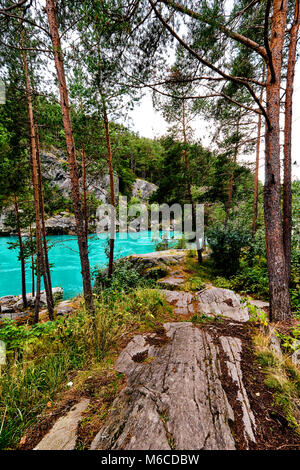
<point>40,358</point>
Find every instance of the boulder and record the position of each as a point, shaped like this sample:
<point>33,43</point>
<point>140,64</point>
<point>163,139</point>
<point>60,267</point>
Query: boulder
<point>275,344</point>
<point>181,301</point>
<point>55,169</point>
<point>225,302</point>
<point>63,224</point>
<point>10,303</point>
<point>296,354</point>
<point>64,308</point>
<point>158,264</point>
<point>142,189</point>
<point>171,282</point>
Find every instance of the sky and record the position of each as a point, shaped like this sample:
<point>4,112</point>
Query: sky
<point>149,123</point>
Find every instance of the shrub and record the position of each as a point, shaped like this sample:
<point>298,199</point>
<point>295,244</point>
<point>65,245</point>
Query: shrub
<point>125,277</point>
<point>226,244</point>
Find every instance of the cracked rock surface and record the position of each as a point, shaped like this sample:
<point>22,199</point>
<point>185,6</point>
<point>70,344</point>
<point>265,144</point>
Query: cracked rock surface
<point>210,301</point>
<point>63,434</point>
<point>175,397</point>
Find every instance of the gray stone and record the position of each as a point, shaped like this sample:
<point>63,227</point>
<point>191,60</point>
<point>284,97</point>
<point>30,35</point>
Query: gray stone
<point>57,293</point>
<point>11,316</point>
<point>143,189</point>
<point>275,344</point>
<point>175,399</point>
<point>259,303</point>
<point>15,303</point>
<point>8,299</point>
<point>63,434</point>
<point>62,223</point>
<point>296,354</point>
<point>217,301</point>
<point>55,169</point>
<point>64,308</point>
<point>181,301</point>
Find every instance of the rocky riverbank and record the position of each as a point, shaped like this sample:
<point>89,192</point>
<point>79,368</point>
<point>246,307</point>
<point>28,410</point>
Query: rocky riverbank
<point>11,306</point>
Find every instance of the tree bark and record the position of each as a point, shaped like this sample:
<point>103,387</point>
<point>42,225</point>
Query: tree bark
<point>34,175</point>
<point>32,263</point>
<point>287,182</point>
<point>112,188</point>
<point>21,249</point>
<point>75,186</point>
<point>84,189</point>
<point>278,282</point>
<point>46,266</point>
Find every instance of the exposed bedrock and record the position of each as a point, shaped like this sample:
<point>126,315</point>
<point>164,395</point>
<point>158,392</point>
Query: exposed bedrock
<point>175,397</point>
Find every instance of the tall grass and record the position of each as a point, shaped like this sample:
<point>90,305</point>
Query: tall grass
<point>39,361</point>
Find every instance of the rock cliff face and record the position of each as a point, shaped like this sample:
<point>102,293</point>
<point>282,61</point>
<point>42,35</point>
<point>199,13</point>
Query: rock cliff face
<point>55,170</point>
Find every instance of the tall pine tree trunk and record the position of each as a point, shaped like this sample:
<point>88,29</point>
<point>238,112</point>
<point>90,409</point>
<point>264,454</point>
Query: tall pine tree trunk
<point>278,281</point>
<point>287,182</point>
<point>21,249</point>
<point>46,266</point>
<point>112,188</point>
<point>75,186</point>
<point>32,262</point>
<point>34,174</point>
<point>84,189</point>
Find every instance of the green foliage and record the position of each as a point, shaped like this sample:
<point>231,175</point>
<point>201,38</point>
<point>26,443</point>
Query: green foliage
<point>194,284</point>
<point>163,244</point>
<point>200,319</point>
<point>40,357</point>
<point>226,244</point>
<point>252,280</point>
<point>290,342</point>
<point>257,315</point>
<point>180,244</point>
<point>125,278</point>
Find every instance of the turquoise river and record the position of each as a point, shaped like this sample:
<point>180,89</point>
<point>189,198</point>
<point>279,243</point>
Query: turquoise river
<point>65,261</point>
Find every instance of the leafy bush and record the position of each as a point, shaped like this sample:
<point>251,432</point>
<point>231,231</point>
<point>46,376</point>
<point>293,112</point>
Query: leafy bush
<point>181,243</point>
<point>252,280</point>
<point>125,277</point>
<point>226,244</point>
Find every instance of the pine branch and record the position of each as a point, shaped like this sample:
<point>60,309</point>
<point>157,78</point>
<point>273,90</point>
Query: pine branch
<point>228,32</point>
<point>266,41</point>
<point>212,66</point>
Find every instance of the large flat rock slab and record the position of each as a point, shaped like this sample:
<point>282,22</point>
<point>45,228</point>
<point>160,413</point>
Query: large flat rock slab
<point>63,434</point>
<point>175,398</point>
<point>225,302</point>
